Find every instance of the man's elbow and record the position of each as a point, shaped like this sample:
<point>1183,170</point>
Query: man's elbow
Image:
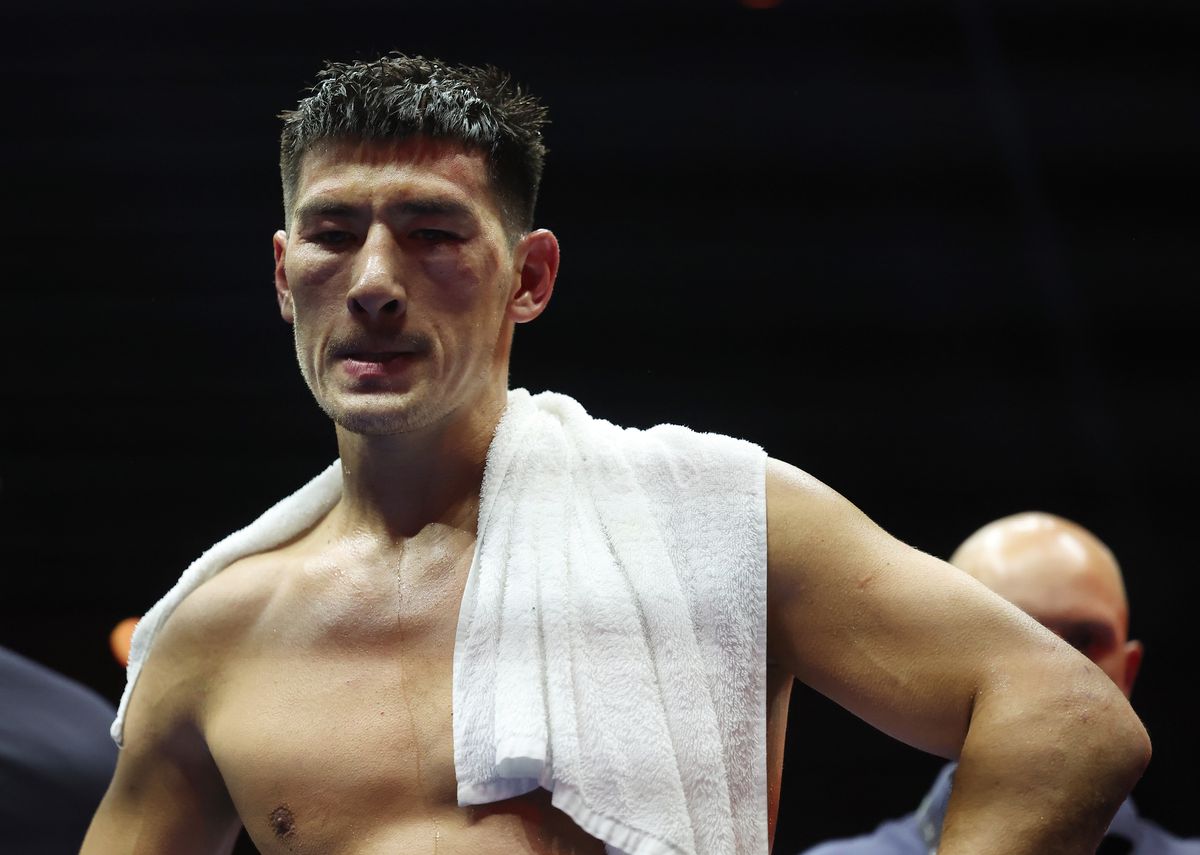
<point>1132,741</point>
<point>1104,731</point>
<point>1063,714</point>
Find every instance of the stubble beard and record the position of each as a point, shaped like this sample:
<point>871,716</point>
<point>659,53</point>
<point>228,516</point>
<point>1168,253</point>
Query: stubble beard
<point>381,414</point>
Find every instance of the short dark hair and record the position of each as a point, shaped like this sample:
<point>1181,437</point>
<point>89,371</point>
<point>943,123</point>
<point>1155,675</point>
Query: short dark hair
<point>398,96</point>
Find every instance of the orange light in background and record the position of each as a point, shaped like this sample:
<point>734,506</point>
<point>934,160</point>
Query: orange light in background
<point>760,4</point>
<point>120,638</point>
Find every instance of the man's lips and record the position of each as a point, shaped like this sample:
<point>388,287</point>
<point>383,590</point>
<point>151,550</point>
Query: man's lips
<point>371,363</point>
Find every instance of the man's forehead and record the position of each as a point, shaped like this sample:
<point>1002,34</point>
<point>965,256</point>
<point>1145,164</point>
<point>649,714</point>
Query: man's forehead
<point>1051,587</point>
<point>1034,548</point>
<point>445,165</point>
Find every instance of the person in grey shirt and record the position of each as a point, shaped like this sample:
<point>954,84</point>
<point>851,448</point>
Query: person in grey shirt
<point>56,757</point>
<point>1065,578</point>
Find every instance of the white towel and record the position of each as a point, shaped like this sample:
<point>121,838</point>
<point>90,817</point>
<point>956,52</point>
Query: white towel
<point>612,638</point>
<point>611,642</point>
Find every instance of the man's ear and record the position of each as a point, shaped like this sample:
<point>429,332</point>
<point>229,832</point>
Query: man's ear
<point>283,293</point>
<point>1133,662</point>
<point>536,260</point>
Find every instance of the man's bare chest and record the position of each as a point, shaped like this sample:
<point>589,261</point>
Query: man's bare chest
<point>334,712</point>
<point>312,748</point>
<point>348,746</point>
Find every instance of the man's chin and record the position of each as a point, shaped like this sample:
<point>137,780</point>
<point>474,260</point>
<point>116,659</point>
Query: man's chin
<point>380,418</point>
<point>377,423</point>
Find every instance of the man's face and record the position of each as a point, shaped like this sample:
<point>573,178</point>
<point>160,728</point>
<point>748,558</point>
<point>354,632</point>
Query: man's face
<point>1072,588</point>
<point>396,273</point>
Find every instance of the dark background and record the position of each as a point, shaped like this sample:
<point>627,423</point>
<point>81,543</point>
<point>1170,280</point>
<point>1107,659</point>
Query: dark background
<point>939,254</point>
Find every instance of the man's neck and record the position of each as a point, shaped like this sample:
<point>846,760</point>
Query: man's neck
<point>397,485</point>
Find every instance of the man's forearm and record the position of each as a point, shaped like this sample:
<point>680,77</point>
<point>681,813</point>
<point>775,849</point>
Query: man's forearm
<point>1049,757</point>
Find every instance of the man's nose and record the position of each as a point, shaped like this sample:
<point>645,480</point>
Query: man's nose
<point>378,291</point>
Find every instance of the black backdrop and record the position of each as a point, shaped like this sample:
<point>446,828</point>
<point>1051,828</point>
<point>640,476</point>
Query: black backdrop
<point>940,254</point>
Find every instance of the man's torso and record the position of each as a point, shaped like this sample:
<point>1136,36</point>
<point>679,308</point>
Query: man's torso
<point>326,702</point>
<point>328,707</point>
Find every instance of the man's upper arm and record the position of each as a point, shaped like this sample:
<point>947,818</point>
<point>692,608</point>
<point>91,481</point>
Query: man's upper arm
<point>167,794</point>
<point>899,638</point>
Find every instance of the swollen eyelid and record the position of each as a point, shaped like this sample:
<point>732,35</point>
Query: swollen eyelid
<point>434,234</point>
<point>331,237</point>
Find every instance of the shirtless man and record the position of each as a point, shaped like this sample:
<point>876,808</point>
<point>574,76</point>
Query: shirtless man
<point>306,691</point>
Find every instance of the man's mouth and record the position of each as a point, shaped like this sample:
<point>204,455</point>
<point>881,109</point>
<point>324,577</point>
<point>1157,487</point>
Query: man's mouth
<point>376,363</point>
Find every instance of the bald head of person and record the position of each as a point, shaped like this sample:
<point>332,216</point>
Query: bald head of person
<point>1062,576</point>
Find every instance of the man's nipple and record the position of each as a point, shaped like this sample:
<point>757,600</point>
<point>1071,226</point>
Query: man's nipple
<point>282,822</point>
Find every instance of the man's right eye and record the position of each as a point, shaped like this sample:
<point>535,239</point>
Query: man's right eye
<point>332,237</point>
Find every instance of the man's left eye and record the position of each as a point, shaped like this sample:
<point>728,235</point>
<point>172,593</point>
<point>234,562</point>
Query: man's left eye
<point>434,235</point>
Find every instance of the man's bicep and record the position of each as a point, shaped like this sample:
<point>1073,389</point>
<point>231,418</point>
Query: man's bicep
<point>167,794</point>
<point>164,806</point>
<point>899,638</point>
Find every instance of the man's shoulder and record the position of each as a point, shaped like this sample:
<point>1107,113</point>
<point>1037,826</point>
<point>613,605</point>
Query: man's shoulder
<point>221,610</point>
<point>192,648</point>
<point>238,595</point>
<point>231,580</point>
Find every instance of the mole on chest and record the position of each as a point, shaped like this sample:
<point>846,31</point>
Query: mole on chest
<point>282,822</point>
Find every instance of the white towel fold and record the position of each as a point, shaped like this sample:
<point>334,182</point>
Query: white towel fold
<point>611,642</point>
<point>612,638</point>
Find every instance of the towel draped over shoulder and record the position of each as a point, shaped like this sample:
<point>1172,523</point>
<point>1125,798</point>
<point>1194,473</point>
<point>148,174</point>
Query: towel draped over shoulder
<point>611,642</point>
